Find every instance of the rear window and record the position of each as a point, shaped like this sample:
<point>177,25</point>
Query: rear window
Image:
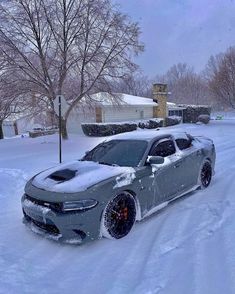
<point>183,143</point>
<point>164,148</point>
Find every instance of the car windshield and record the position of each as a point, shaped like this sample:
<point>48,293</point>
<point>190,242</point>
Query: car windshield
<point>118,152</point>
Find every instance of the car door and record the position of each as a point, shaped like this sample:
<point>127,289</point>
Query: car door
<point>166,177</point>
<point>191,162</point>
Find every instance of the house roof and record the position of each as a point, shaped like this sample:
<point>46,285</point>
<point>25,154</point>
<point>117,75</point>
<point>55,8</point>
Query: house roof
<point>107,99</point>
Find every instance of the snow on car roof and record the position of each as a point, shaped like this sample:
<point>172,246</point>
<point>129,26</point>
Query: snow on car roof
<point>147,135</point>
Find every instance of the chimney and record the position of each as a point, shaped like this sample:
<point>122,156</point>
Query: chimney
<point>160,96</point>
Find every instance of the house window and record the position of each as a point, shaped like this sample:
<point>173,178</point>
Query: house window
<point>175,113</point>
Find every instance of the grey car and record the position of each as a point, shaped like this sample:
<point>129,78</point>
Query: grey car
<point>122,180</point>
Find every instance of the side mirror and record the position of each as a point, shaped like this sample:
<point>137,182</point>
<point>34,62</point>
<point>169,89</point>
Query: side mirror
<point>87,152</point>
<point>155,160</point>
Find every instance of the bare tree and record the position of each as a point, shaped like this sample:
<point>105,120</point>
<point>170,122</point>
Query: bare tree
<point>134,84</point>
<point>185,85</point>
<point>220,73</point>
<point>178,71</point>
<point>8,95</point>
<point>58,46</point>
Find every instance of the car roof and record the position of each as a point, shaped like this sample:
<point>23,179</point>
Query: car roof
<point>147,135</point>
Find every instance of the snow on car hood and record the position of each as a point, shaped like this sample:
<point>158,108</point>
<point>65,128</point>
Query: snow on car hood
<point>82,175</point>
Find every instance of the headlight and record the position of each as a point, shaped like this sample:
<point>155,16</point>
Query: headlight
<point>79,205</point>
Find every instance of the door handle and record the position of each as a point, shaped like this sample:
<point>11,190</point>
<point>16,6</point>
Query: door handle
<point>199,152</point>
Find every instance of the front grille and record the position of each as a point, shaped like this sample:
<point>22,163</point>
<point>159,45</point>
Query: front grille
<point>50,228</point>
<point>52,205</point>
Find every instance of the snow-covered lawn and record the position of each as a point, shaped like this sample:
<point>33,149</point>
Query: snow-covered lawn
<point>188,247</point>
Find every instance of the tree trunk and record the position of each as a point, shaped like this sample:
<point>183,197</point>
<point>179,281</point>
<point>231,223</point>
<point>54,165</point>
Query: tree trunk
<point>64,129</point>
<point>1,130</point>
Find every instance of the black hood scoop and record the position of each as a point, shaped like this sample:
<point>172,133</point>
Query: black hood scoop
<point>62,175</point>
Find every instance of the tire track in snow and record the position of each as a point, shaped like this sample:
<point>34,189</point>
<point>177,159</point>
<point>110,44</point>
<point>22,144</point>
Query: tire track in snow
<point>161,244</point>
<point>165,243</point>
<point>220,212</point>
<point>172,241</point>
<point>23,270</point>
<point>136,267</point>
<point>208,258</point>
<point>170,261</point>
<point>214,223</point>
<point>179,237</point>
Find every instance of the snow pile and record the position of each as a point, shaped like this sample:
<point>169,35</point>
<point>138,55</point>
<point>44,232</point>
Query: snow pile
<point>125,179</point>
<point>37,208</point>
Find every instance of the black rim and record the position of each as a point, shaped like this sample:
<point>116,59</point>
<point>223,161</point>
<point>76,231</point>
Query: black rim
<point>120,216</point>
<point>206,174</point>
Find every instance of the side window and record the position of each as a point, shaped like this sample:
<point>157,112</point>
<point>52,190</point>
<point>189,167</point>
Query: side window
<point>163,149</point>
<point>183,143</point>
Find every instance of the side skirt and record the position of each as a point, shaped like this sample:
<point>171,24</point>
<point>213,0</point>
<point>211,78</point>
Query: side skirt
<point>164,204</point>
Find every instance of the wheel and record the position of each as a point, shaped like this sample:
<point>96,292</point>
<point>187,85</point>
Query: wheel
<point>119,216</point>
<point>205,174</point>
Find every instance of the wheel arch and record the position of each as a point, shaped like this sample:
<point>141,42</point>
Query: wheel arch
<point>132,194</point>
<point>209,160</point>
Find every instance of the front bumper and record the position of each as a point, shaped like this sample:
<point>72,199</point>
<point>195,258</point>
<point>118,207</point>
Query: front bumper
<point>70,227</point>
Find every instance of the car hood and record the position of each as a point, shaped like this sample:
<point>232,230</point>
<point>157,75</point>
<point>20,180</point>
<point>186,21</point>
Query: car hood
<point>78,176</point>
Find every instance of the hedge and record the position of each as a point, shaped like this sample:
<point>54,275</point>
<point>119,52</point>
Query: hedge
<point>108,129</point>
<point>100,130</point>
<point>151,123</point>
<point>192,112</point>
<point>172,120</point>
<point>34,134</point>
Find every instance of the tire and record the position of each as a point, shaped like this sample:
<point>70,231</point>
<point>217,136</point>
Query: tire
<point>205,174</point>
<point>119,216</point>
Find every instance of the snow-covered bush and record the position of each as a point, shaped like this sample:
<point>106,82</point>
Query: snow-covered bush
<point>105,129</point>
<point>172,120</point>
<point>108,129</point>
<point>38,133</point>
<point>151,123</point>
<point>204,118</point>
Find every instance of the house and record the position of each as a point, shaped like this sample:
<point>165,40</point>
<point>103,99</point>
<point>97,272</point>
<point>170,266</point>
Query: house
<point>106,108</point>
<point>21,122</point>
<point>100,108</point>
<point>16,123</point>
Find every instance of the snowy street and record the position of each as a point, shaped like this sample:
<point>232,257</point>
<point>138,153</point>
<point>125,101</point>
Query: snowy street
<point>188,247</point>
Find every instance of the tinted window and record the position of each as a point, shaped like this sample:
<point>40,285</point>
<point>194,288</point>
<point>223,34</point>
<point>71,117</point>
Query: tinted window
<point>118,152</point>
<point>183,143</point>
<point>163,149</point>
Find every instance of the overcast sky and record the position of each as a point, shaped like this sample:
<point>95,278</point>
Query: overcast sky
<point>181,31</point>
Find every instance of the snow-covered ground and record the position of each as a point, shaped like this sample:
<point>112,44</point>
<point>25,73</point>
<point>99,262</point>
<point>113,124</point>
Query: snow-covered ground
<point>188,247</point>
